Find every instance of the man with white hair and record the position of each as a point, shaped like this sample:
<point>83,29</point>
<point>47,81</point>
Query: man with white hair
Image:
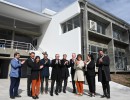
<point>56,74</point>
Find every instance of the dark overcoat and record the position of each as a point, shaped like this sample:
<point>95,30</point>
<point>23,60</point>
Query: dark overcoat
<point>64,69</point>
<point>56,70</point>
<point>104,66</point>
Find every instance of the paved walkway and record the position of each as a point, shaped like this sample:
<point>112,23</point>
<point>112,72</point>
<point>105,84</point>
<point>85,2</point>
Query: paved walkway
<point>118,92</point>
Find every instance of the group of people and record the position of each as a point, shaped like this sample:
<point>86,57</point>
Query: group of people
<point>38,72</point>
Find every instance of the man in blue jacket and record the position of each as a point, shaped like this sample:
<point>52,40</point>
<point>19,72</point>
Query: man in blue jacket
<point>45,72</point>
<point>15,75</point>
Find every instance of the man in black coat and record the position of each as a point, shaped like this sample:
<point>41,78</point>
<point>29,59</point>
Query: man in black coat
<point>55,74</point>
<point>72,62</point>
<point>103,63</point>
<point>64,73</point>
<point>30,65</point>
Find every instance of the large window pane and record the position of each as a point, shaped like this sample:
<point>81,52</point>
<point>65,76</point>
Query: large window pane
<point>93,48</point>
<point>69,25</point>
<point>76,22</point>
<point>99,28</point>
<point>105,50</point>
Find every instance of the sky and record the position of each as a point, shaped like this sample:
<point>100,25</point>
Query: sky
<point>119,8</point>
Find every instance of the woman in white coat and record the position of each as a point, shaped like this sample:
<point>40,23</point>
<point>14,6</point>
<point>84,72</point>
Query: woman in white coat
<point>79,74</point>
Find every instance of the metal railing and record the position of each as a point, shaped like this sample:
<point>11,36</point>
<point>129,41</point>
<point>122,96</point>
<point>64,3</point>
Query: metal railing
<point>16,45</point>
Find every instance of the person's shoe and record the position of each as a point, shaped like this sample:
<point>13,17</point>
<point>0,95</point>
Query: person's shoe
<point>51,94</point>
<point>34,97</point>
<point>60,91</point>
<point>81,94</point>
<point>103,96</point>
<point>56,93</point>
<point>108,96</point>
<point>74,91</point>
<point>37,97</point>
<point>12,97</point>
<point>93,95</point>
<point>18,96</point>
<point>29,95</point>
<point>46,92</point>
<point>64,91</point>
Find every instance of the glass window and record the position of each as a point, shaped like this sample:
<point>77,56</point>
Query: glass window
<point>76,22</point>
<point>93,48</point>
<point>64,28</point>
<point>105,50</point>
<point>69,25</point>
<point>99,48</point>
<point>116,35</point>
<point>99,28</point>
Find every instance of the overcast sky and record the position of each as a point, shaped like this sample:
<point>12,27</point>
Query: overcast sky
<point>120,8</point>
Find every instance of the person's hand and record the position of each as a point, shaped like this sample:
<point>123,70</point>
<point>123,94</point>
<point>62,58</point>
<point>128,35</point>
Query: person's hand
<point>100,60</point>
<point>77,62</point>
<point>22,62</point>
<point>85,62</point>
<point>41,66</point>
<point>66,62</point>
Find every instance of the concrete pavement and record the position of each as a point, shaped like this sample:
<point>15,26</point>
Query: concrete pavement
<point>118,92</point>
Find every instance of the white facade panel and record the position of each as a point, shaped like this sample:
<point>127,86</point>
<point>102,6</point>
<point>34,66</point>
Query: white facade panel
<point>54,41</point>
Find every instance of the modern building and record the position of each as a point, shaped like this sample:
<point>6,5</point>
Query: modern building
<point>81,27</point>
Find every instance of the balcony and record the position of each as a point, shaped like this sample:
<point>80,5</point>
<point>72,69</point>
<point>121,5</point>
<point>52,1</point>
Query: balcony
<point>8,47</point>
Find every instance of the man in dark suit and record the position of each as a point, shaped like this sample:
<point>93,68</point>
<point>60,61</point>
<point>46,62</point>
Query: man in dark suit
<point>103,63</point>
<point>55,74</point>
<point>64,73</point>
<point>30,65</point>
<point>72,62</point>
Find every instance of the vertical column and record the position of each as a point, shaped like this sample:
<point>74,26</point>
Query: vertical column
<point>111,51</point>
<point>84,27</point>
<point>111,54</point>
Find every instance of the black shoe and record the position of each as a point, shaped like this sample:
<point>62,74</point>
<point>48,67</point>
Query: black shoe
<point>74,91</point>
<point>12,97</point>
<point>59,91</point>
<point>64,91</point>
<point>108,96</point>
<point>56,93</point>
<point>34,97</point>
<point>103,96</point>
<point>18,96</point>
<point>51,94</point>
<point>37,97</point>
<point>29,95</point>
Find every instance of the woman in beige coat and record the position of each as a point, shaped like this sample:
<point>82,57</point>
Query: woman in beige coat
<point>79,74</point>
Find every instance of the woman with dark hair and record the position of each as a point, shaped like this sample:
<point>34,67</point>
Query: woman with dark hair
<point>79,74</point>
<point>36,77</point>
<point>90,74</point>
